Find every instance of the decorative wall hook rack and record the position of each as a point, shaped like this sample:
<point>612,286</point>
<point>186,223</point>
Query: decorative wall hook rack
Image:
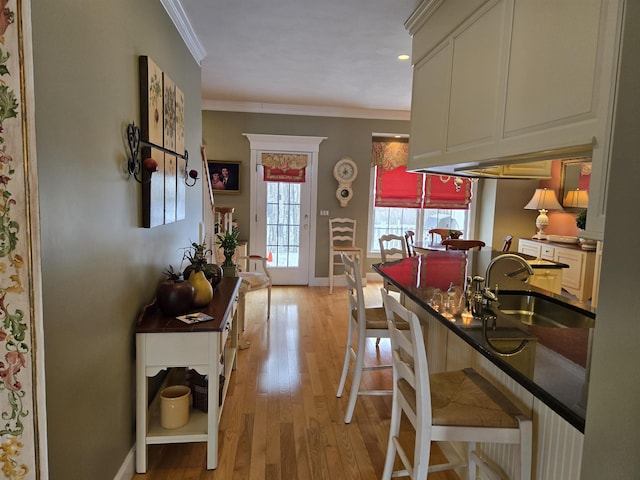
<point>136,166</point>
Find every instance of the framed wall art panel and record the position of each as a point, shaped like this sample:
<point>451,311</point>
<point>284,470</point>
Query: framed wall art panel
<point>151,101</point>
<point>170,187</point>
<point>169,113</point>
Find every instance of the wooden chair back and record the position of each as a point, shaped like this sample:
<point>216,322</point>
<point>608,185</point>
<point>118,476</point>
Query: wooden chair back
<point>459,244</point>
<point>342,232</point>
<point>342,239</point>
<point>443,233</point>
<point>392,247</point>
<point>506,246</point>
<point>408,237</point>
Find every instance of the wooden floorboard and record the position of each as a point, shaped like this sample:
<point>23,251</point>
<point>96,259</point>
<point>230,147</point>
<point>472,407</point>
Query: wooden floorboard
<point>281,418</point>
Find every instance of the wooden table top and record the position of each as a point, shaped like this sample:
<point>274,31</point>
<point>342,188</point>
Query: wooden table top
<point>152,320</point>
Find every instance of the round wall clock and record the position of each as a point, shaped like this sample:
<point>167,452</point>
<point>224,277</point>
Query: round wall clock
<point>345,170</point>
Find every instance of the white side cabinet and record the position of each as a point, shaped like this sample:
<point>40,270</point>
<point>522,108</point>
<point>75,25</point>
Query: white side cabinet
<point>578,278</point>
<point>210,348</point>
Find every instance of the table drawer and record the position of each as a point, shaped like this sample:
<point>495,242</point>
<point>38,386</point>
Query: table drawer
<point>177,349</point>
<point>224,335</point>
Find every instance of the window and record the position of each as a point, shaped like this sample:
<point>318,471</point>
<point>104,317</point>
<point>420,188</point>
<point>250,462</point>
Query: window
<point>412,201</point>
<point>418,202</point>
<point>398,220</point>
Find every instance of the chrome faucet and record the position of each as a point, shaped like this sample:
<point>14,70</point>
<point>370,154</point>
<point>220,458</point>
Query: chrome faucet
<point>525,267</point>
<point>478,296</point>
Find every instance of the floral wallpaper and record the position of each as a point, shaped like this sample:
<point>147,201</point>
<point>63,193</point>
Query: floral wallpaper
<point>18,431</point>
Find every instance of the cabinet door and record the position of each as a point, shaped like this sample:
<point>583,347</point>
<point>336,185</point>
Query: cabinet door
<point>476,79</point>
<point>552,64</point>
<point>529,248</point>
<point>572,276</point>
<point>429,103</point>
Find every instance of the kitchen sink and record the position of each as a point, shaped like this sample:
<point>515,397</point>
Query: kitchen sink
<point>531,308</point>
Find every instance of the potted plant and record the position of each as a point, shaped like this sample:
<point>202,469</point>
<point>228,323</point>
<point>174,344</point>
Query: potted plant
<point>581,223</point>
<point>228,241</point>
<point>581,219</point>
<point>196,255</point>
<point>454,234</point>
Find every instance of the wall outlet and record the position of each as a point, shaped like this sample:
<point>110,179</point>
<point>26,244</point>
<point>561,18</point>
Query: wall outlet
<point>324,213</point>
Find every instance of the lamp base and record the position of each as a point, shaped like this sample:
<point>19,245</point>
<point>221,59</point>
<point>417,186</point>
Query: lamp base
<point>541,222</point>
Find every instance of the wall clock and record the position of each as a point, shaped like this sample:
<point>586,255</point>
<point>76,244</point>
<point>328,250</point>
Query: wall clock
<point>345,172</point>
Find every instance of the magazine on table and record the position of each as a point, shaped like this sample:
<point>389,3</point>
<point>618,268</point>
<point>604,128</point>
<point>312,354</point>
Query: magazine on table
<point>195,318</point>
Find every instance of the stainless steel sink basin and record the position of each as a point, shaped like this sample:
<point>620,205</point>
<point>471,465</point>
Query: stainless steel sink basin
<point>531,308</point>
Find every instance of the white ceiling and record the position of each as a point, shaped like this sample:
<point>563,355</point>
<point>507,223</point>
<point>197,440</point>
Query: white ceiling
<point>320,57</point>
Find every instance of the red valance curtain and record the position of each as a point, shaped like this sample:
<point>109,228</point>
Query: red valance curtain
<point>284,167</point>
<point>395,187</point>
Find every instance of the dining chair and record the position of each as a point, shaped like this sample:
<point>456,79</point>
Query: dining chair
<point>392,247</point>
<point>443,233</point>
<point>459,244</point>
<point>506,246</point>
<point>409,240</point>
<point>257,277</point>
<point>342,240</point>
<point>363,323</point>
<point>454,406</point>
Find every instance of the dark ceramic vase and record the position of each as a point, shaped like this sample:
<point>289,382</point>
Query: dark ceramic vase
<point>174,297</point>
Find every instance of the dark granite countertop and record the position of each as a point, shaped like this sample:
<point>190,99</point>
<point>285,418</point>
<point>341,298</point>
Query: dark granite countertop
<point>552,362</point>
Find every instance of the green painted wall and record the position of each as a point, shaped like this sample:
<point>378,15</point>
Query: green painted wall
<point>222,134</point>
<point>99,266</point>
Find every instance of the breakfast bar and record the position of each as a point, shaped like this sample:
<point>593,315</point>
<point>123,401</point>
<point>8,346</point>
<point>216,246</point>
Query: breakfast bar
<point>550,361</point>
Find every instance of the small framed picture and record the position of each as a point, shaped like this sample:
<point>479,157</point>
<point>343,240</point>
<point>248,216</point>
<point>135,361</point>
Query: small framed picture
<point>224,176</point>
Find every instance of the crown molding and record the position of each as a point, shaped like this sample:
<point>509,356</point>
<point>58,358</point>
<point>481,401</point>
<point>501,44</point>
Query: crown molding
<point>306,110</point>
<point>179,17</point>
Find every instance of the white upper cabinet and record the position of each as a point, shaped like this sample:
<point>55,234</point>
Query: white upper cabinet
<point>476,80</point>
<point>429,104</point>
<point>552,65</point>
<point>498,79</point>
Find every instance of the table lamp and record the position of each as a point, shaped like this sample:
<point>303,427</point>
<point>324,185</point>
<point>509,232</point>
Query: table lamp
<point>576,199</point>
<point>543,200</point>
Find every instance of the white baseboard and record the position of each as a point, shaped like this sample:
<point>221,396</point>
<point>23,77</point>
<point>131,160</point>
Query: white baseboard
<point>127,469</point>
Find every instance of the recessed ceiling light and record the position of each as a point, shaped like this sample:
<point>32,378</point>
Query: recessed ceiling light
<point>404,56</point>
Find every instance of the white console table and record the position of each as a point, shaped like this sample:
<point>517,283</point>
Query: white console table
<point>210,348</point>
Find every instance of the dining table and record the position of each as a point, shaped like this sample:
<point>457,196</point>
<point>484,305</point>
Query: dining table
<point>426,247</point>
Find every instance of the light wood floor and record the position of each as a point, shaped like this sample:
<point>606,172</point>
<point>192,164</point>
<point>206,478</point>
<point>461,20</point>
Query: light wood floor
<point>281,418</point>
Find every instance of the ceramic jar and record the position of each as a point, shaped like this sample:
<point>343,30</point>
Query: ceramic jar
<point>174,406</point>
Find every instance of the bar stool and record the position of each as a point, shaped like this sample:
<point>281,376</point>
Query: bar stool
<point>342,239</point>
<point>392,247</point>
<point>363,323</point>
<point>456,406</point>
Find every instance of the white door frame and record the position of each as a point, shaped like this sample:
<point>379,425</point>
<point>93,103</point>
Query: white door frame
<point>286,144</point>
